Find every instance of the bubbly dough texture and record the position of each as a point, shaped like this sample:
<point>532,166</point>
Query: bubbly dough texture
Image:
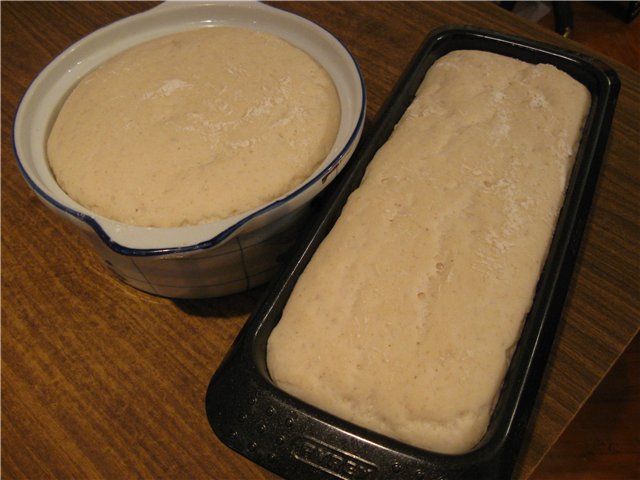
<point>405,319</point>
<point>194,127</point>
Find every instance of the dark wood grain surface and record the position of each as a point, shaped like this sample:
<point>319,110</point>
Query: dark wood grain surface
<point>102,381</point>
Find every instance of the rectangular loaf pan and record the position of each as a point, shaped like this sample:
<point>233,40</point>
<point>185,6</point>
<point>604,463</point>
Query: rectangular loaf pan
<point>298,441</point>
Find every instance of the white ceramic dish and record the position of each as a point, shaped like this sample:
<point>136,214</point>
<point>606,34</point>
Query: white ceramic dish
<point>205,260</point>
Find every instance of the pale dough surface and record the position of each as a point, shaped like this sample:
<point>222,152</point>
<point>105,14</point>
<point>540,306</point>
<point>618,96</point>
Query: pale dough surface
<point>194,127</point>
<point>405,319</point>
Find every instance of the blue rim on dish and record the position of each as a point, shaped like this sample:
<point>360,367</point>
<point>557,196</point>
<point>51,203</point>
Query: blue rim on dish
<point>226,233</point>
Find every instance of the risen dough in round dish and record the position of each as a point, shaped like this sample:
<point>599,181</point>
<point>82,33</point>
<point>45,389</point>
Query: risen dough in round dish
<point>194,127</point>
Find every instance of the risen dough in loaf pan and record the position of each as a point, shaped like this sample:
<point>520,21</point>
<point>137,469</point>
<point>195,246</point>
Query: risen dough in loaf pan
<point>405,319</point>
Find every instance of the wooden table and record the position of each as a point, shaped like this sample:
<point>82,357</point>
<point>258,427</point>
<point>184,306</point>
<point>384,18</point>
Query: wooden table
<point>102,381</point>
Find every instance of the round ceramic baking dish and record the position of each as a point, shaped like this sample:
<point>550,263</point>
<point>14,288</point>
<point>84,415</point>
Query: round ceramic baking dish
<point>207,260</point>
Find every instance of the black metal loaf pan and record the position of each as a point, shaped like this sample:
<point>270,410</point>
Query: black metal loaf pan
<point>298,441</point>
